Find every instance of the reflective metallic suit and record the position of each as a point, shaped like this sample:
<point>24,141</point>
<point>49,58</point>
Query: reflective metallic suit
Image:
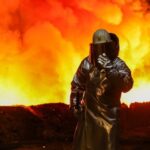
<point>95,99</point>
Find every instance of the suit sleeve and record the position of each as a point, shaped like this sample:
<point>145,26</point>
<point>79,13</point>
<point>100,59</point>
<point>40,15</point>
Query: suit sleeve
<point>78,85</point>
<point>120,76</point>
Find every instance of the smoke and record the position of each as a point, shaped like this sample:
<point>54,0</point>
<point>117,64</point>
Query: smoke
<point>42,43</point>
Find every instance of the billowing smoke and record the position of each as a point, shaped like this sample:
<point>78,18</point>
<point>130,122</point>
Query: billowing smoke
<point>42,43</point>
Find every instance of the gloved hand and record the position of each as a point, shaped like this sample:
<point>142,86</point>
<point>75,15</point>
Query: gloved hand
<point>104,61</point>
<point>77,111</point>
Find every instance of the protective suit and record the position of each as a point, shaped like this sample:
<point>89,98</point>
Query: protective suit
<point>95,97</point>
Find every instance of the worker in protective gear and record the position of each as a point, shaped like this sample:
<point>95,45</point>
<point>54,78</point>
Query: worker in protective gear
<point>95,94</point>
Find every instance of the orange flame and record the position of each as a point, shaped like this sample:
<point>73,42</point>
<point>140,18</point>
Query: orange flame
<point>42,43</point>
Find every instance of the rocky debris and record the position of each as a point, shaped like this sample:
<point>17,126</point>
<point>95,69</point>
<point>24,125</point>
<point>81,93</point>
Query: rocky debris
<point>47,124</point>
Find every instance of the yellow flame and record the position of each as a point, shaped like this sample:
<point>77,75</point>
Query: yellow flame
<point>139,94</point>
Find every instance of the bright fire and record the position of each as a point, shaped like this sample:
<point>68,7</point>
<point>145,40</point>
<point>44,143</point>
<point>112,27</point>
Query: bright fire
<point>42,43</point>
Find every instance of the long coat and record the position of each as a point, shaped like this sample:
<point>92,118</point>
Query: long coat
<point>97,127</point>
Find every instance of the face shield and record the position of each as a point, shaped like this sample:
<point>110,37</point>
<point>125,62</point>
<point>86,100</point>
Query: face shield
<point>99,49</point>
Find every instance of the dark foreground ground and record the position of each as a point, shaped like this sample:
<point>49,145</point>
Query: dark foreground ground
<point>51,127</point>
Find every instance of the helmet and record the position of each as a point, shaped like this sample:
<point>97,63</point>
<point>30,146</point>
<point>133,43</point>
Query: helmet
<point>101,36</point>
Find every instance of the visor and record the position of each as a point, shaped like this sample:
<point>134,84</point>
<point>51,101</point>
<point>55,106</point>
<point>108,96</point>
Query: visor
<point>98,49</point>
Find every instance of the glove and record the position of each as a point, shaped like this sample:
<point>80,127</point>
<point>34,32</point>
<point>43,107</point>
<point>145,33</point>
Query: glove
<point>104,61</point>
<point>77,111</point>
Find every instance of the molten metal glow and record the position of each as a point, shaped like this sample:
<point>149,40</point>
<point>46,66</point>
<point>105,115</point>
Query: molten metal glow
<point>42,43</point>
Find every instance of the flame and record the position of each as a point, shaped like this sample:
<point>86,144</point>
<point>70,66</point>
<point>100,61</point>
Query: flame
<point>42,43</point>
